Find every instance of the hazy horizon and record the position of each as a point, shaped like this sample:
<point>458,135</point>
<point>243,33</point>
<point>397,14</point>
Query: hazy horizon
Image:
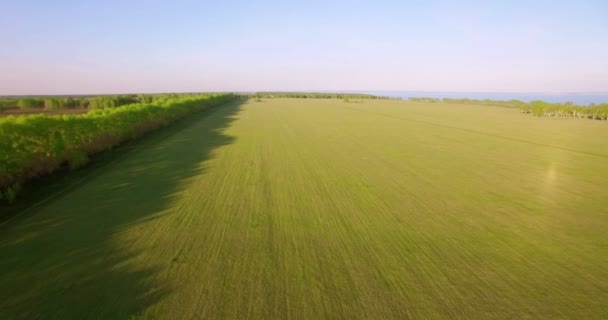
<point>600,93</point>
<point>69,47</point>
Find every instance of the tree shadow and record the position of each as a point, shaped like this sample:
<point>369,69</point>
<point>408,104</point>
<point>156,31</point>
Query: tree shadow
<point>61,260</point>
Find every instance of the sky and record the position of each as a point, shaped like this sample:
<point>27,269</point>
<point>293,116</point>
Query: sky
<point>87,47</point>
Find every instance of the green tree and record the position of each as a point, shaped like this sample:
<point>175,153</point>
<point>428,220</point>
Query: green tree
<point>53,104</point>
<point>30,103</point>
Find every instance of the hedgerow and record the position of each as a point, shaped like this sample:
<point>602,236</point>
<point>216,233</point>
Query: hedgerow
<point>37,145</point>
<point>314,95</point>
<point>537,108</point>
<point>545,109</point>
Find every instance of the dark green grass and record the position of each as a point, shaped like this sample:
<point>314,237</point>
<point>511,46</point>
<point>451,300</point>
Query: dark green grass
<point>324,209</point>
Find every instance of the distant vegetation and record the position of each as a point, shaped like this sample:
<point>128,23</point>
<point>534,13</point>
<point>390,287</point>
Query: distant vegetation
<point>84,102</point>
<point>103,102</point>
<point>536,108</point>
<point>486,102</point>
<point>37,145</point>
<point>30,103</point>
<point>64,103</point>
<point>315,95</point>
<point>5,104</point>
<point>424,99</point>
<point>544,109</point>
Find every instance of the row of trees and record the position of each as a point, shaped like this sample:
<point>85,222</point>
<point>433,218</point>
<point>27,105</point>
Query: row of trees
<point>487,102</point>
<point>103,102</point>
<point>433,100</point>
<point>93,102</point>
<point>5,104</point>
<point>545,109</point>
<point>313,95</point>
<point>64,103</point>
<point>46,103</point>
<point>36,145</point>
<point>537,108</point>
<point>30,103</point>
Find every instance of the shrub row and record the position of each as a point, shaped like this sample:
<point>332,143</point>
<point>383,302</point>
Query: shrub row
<point>103,102</point>
<point>30,103</point>
<point>545,109</point>
<point>537,108</point>
<point>314,95</point>
<point>93,102</point>
<point>5,104</point>
<point>36,145</point>
<point>487,102</point>
<point>425,99</point>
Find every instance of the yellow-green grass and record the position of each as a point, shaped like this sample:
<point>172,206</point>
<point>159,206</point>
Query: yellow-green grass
<point>311,209</point>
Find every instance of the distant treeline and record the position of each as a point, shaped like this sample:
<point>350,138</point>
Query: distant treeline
<point>91,102</point>
<point>536,108</point>
<point>314,95</point>
<point>486,102</point>
<point>545,109</point>
<point>37,145</point>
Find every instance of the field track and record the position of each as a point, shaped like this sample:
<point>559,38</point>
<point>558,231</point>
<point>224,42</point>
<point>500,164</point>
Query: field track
<point>312,209</point>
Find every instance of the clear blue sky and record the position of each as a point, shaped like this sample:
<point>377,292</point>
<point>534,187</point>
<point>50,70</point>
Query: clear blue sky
<point>68,47</point>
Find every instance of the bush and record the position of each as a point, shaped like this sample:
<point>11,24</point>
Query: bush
<point>70,103</point>
<point>424,99</point>
<point>104,102</point>
<point>82,103</point>
<point>61,103</point>
<point>145,98</point>
<point>5,104</point>
<point>78,160</point>
<point>10,194</point>
<point>53,104</point>
<point>30,103</point>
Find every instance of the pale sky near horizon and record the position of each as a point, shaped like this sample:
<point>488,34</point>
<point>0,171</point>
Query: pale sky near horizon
<point>77,47</point>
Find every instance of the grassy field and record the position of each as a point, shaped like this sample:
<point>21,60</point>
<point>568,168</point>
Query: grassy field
<point>310,209</point>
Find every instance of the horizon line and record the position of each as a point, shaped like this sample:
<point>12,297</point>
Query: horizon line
<point>316,91</point>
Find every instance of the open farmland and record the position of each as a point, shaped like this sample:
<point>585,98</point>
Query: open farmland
<point>310,208</point>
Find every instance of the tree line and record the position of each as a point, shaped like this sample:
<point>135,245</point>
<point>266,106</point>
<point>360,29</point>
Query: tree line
<point>545,109</point>
<point>536,108</point>
<point>91,102</point>
<point>485,102</point>
<point>314,95</point>
<point>37,145</point>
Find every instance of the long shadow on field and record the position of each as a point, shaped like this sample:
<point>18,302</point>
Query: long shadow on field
<point>71,259</point>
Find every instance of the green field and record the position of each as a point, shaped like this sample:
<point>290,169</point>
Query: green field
<point>312,209</point>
